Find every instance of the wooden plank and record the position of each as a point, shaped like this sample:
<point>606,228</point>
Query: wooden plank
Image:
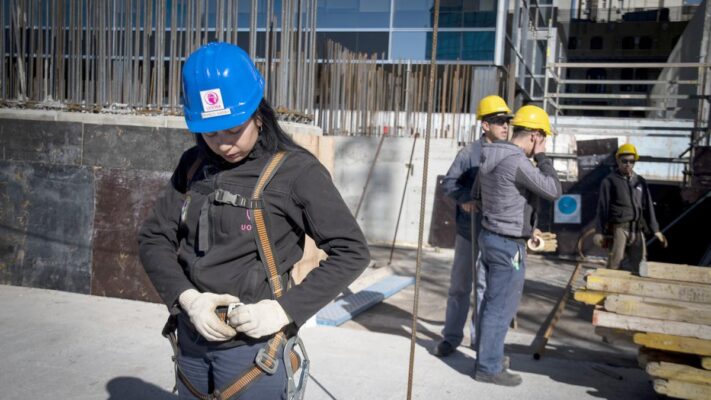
<point>614,336</point>
<point>679,372</point>
<point>647,355</point>
<point>678,272</point>
<point>674,343</point>
<point>697,293</point>
<point>706,362</point>
<point>659,309</point>
<point>591,297</point>
<point>611,272</point>
<point>612,320</point>
<point>682,390</point>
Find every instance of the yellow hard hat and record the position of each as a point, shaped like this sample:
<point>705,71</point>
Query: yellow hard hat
<point>492,105</point>
<point>627,148</point>
<point>532,117</point>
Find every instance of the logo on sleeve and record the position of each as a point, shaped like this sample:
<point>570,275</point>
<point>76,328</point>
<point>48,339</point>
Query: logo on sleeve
<point>212,103</point>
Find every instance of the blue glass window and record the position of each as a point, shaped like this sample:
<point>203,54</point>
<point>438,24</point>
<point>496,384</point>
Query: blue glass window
<point>466,46</point>
<point>244,10</point>
<point>353,14</point>
<point>360,42</point>
<point>409,46</point>
<point>452,14</point>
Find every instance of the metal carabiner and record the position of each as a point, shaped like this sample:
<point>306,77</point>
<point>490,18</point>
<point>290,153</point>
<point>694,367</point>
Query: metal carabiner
<point>296,384</point>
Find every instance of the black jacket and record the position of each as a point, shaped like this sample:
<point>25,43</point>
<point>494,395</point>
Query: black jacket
<point>300,199</point>
<point>624,200</point>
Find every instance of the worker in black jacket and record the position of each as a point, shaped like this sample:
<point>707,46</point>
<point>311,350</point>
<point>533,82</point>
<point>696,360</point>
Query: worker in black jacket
<point>625,213</point>
<point>200,247</point>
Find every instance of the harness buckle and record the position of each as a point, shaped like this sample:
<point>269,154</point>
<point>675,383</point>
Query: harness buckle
<point>262,360</point>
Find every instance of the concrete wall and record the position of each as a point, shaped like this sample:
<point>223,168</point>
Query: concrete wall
<point>73,195</point>
<point>74,188</point>
<point>379,212</point>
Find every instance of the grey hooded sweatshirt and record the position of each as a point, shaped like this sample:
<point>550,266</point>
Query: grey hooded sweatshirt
<point>511,187</point>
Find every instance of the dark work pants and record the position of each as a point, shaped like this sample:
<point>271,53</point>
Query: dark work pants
<point>207,367</point>
<point>628,251</point>
<point>505,261</point>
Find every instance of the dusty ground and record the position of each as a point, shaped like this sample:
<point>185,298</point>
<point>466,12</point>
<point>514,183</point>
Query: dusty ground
<point>546,278</point>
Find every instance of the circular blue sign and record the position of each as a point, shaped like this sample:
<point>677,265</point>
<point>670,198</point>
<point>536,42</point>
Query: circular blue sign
<point>567,204</point>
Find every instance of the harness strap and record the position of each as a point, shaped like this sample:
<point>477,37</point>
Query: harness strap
<point>204,224</point>
<point>264,243</point>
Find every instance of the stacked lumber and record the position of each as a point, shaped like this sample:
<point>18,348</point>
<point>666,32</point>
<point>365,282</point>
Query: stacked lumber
<point>667,312</point>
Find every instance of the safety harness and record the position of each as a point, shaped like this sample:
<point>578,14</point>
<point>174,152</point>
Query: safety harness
<point>266,361</point>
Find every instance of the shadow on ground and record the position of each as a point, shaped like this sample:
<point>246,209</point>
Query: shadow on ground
<point>130,388</point>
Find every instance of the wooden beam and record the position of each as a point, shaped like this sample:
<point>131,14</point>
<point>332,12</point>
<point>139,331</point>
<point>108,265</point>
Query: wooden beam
<point>614,336</point>
<point>659,309</point>
<point>640,324</point>
<point>678,272</point>
<point>591,297</point>
<point>611,272</point>
<point>682,390</point>
<point>679,372</point>
<point>697,293</point>
<point>706,362</point>
<point>678,344</point>
<point>647,355</point>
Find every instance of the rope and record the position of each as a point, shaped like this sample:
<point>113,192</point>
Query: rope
<point>418,267</point>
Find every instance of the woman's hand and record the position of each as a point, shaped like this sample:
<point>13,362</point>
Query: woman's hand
<point>200,307</point>
<point>260,319</point>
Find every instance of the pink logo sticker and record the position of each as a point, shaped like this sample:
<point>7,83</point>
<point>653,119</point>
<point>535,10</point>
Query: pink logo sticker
<point>212,102</point>
<point>212,98</point>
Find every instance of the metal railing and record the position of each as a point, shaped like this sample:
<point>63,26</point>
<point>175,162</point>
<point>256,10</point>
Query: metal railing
<point>678,90</point>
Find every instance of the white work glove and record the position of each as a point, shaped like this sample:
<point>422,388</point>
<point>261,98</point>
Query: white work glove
<point>662,239</point>
<point>260,319</point>
<point>599,240</point>
<point>201,310</point>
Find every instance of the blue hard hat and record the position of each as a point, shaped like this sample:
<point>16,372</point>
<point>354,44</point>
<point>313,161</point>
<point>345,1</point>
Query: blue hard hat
<point>221,88</point>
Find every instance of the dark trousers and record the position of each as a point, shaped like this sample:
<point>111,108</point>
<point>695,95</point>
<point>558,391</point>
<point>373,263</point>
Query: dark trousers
<point>628,251</point>
<point>505,261</point>
<point>207,368</point>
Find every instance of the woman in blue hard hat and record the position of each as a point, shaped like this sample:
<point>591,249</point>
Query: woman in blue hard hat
<point>203,247</point>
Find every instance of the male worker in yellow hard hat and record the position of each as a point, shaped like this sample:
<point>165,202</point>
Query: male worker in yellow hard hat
<point>511,187</point>
<point>625,212</point>
<point>495,116</point>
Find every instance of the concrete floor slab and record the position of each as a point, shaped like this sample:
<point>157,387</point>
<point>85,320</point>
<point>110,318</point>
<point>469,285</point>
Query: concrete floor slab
<point>71,346</point>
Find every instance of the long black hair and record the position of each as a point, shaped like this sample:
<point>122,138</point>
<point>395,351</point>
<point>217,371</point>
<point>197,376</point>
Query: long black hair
<point>272,137</point>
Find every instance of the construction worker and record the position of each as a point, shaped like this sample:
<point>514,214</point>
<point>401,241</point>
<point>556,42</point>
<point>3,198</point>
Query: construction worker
<point>625,212</point>
<point>495,117</point>
<point>511,187</point>
<point>206,244</point>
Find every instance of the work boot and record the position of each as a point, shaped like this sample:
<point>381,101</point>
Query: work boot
<point>443,349</point>
<point>503,378</point>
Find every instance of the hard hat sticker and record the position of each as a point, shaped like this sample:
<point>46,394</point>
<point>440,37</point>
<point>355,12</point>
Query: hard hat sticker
<point>215,113</point>
<point>211,100</point>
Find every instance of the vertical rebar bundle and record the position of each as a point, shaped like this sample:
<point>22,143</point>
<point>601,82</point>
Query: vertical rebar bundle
<point>108,55</point>
<point>127,56</point>
<point>359,96</point>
